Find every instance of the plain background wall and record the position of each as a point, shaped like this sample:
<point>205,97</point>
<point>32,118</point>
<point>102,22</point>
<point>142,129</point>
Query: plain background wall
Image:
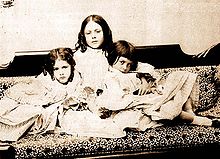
<point>47,24</point>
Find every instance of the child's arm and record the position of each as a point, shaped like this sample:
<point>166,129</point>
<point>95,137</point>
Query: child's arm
<point>148,77</point>
<point>147,68</point>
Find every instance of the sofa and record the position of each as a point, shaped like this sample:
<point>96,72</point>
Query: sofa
<point>172,140</point>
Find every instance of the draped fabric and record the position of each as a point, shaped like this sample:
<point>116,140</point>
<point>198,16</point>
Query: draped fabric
<point>15,117</point>
<point>69,94</point>
<point>176,89</point>
<point>48,112</point>
<point>23,104</point>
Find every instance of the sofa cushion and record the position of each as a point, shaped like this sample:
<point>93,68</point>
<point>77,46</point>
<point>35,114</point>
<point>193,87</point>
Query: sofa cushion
<point>160,139</point>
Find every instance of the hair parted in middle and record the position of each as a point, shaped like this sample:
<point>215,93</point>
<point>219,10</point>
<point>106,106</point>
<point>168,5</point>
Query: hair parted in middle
<point>81,43</point>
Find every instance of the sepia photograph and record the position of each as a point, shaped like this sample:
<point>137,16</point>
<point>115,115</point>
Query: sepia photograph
<point>109,79</point>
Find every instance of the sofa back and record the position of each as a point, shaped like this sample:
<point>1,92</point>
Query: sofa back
<point>171,56</point>
<point>160,56</point>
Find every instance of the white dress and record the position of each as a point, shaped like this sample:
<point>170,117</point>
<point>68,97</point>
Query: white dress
<point>71,121</point>
<point>118,95</point>
<point>20,107</point>
<point>54,111</point>
<point>93,66</point>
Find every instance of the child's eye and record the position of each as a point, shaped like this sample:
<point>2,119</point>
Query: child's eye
<point>97,31</point>
<point>87,33</point>
<point>65,67</point>
<point>129,65</point>
<point>122,62</point>
<point>55,68</point>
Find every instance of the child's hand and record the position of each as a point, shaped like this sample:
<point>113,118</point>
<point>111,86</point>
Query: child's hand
<point>148,84</point>
<point>70,102</point>
<point>145,87</point>
<point>89,91</point>
<point>158,89</point>
<point>104,113</point>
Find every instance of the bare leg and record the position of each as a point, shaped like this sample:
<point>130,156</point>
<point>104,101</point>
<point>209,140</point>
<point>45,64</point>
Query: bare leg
<point>188,115</point>
<point>189,107</point>
<point>195,120</point>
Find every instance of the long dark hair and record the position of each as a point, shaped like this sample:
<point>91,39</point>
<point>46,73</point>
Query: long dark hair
<point>122,48</point>
<point>64,54</point>
<point>81,43</point>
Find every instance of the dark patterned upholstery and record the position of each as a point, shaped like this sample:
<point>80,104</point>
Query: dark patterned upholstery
<point>158,139</point>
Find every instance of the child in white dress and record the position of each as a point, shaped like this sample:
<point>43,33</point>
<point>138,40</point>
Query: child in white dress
<point>71,115</point>
<point>92,50</point>
<point>164,101</point>
<point>94,40</point>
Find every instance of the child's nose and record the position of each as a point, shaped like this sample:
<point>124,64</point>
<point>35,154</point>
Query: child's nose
<point>61,73</point>
<point>93,35</point>
<point>124,67</point>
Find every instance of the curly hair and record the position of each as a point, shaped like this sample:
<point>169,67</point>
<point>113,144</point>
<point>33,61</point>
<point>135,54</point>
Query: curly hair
<point>64,54</point>
<point>82,44</point>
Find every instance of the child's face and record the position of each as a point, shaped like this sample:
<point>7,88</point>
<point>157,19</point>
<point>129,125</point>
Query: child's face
<point>94,35</point>
<point>62,71</point>
<point>123,64</point>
